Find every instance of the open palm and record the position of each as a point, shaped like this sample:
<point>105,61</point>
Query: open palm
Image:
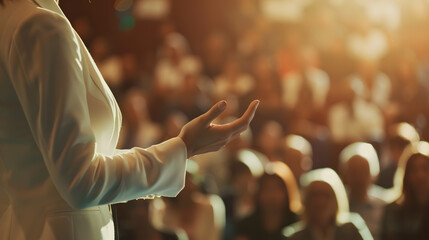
<point>201,135</point>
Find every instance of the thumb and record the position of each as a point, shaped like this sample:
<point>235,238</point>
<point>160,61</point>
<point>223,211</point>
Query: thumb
<point>214,112</point>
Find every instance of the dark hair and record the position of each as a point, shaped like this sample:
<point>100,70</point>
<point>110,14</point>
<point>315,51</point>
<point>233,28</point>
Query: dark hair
<point>406,189</point>
<point>263,179</point>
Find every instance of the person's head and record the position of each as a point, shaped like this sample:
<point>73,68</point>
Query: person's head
<point>246,168</point>
<point>297,154</point>
<point>399,136</point>
<point>412,176</point>
<point>278,190</point>
<point>130,66</point>
<point>176,46</point>
<point>359,166</point>
<point>216,47</point>
<point>325,198</point>
<point>269,138</point>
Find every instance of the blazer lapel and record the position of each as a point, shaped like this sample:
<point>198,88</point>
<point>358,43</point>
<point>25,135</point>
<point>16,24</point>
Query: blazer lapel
<point>110,102</point>
<point>95,74</point>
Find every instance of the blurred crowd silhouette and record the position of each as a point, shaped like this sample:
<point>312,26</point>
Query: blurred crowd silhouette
<point>337,148</point>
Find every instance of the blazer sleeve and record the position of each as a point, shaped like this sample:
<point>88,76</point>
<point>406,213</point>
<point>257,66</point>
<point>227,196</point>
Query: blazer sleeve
<point>46,72</point>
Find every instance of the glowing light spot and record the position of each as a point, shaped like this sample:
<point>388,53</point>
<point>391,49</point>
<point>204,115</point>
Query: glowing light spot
<point>252,161</point>
<point>127,22</point>
<point>298,143</point>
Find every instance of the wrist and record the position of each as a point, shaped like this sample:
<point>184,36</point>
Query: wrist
<point>185,142</point>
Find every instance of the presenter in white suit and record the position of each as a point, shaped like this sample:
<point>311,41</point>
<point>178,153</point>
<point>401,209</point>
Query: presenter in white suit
<point>59,126</point>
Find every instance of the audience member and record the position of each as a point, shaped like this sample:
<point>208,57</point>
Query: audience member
<point>298,155</point>
<point>398,137</point>
<point>245,169</point>
<point>329,73</point>
<point>359,168</point>
<point>403,218</point>
<point>326,210</point>
<point>277,205</point>
<point>201,216</point>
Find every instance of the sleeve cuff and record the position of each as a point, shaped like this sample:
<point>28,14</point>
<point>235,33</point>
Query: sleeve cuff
<point>173,171</point>
<point>176,148</point>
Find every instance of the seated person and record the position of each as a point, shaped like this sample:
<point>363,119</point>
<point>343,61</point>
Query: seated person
<point>399,136</point>
<point>277,205</point>
<point>359,168</point>
<point>326,211</point>
<point>134,223</point>
<point>403,218</point>
<point>201,216</point>
<point>245,168</point>
<point>298,154</point>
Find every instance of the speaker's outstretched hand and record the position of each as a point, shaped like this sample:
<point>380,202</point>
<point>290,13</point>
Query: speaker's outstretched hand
<point>201,135</point>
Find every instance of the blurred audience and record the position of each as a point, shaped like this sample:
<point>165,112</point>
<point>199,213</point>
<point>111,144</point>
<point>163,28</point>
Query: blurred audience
<point>404,218</point>
<point>370,84</point>
<point>355,119</point>
<point>409,97</point>
<point>134,223</point>
<point>307,83</point>
<point>366,42</point>
<point>201,216</point>
<point>329,74</point>
<point>269,139</point>
<point>138,128</point>
<point>232,80</point>
<point>175,64</point>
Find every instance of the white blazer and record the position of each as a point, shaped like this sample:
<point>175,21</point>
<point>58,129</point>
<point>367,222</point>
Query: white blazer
<point>59,126</point>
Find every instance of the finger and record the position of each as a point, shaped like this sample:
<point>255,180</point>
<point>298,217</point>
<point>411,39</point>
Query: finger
<point>214,112</point>
<point>241,124</point>
<point>250,112</point>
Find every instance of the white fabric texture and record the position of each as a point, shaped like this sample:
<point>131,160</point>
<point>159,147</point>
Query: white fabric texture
<point>59,126</point>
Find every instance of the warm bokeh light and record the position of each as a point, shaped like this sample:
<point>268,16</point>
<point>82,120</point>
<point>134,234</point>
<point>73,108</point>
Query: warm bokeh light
<point>337,79</point>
